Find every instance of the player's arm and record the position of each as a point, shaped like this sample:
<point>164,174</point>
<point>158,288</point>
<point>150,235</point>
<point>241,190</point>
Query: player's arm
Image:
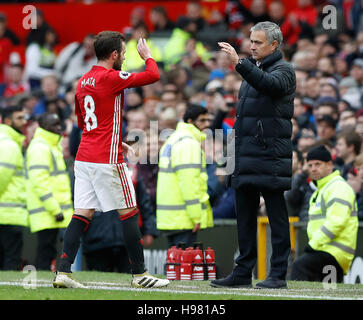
<point>121,80</point>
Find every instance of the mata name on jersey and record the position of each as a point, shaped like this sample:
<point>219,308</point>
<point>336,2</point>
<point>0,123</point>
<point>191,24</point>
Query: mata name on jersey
<point>88,82</point>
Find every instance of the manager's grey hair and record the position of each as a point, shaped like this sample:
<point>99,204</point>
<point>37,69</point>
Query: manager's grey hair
<point>272,31</point>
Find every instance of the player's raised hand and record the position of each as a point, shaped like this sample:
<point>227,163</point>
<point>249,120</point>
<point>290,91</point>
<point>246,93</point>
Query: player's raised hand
<point>143,49</point>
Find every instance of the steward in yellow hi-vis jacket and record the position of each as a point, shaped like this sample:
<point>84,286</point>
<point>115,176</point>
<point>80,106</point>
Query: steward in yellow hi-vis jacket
<point>182,200</point>
<point>13,214</point>
<point>333,223</point>
<point>49,197</point>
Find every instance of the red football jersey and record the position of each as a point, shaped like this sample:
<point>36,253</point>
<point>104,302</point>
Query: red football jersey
<point>98,106</point>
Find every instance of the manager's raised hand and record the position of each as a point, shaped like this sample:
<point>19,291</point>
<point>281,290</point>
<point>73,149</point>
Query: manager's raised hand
<point>226,47</point>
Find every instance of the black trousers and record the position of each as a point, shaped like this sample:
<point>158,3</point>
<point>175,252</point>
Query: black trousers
<point>310,267</point>
<point>46,248</point>
<point>247,203</point>
<point>11,245</point>
<point>114,259</point>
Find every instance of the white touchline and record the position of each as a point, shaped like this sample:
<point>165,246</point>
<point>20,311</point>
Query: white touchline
<point>239,292</point>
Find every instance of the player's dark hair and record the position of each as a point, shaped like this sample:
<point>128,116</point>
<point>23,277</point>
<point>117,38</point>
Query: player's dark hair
<point>193,112</point>
<point>107,42</point>
<point>7,112</point>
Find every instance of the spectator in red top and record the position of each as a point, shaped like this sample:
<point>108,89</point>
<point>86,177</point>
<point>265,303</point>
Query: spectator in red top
<point>238,14</point>
<point>15,83</point>
<point>305,12</point>
<point>290,25</point>
<point>5,49</point>
<point>299,20</point>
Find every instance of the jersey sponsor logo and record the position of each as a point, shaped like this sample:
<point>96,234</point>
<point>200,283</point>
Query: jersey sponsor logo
<point>124,75</point>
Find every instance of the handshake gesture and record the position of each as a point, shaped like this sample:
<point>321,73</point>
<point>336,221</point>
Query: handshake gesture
<point>143,49</point>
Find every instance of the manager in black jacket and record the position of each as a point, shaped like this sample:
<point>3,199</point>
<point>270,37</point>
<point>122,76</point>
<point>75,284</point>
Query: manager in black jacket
<point>263,153</point>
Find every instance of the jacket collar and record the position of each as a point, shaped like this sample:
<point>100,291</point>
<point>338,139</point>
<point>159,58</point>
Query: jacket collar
<point>192,129</point>
<point>50,137</point>
<point>12,133</point>
<point>269,60</point>
<point>323,181</point>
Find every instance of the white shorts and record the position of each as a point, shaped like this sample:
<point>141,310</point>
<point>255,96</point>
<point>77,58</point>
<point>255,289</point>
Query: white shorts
<point>103,186</point>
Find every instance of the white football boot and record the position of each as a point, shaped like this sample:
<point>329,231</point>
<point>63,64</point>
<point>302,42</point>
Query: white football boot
<point>146,280</point>
<point>65,280</point>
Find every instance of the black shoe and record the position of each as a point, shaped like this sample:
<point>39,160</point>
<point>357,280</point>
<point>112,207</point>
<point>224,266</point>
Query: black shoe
<point>272,283</point>
<point>232,281</point>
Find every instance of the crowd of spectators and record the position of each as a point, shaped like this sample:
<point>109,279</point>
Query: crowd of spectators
<point>328,103</point>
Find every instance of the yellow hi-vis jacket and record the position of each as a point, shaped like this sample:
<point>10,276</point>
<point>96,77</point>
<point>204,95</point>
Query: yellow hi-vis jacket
<point>48,183</point>
<point>181,196</point>
<point>333,220</point>
<point>174,49</point>
<point>12,178</point>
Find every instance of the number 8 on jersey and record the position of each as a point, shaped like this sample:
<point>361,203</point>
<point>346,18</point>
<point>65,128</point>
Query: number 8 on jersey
<point>89,106</point>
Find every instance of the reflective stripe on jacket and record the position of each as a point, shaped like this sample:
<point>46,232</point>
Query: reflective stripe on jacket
<point>48,183</point>
<point>333,221</point>
<point>12,180</point>
<point>181,196</point>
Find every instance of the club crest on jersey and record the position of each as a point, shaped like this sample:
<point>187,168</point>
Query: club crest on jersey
<point>124,75</point>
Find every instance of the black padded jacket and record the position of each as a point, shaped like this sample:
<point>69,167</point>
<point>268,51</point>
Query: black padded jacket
<point>263,147</point>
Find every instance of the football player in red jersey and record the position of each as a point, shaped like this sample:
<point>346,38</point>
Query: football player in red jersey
<point>102,180</point>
